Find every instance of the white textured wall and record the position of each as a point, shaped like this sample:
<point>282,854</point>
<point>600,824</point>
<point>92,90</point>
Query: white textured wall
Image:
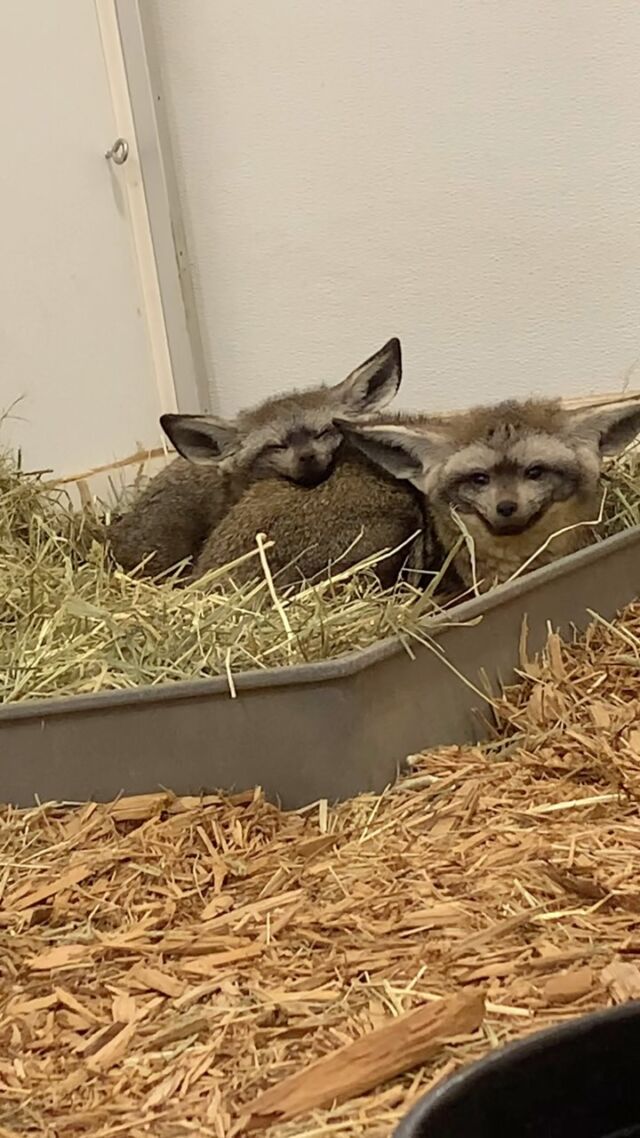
<point>462,173</point>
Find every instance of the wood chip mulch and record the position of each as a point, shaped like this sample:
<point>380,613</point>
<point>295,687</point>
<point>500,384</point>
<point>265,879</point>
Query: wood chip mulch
<point>175,967</point>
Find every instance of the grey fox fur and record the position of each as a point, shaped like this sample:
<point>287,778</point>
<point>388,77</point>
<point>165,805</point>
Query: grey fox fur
<point>291,437</point>
<point>524,479</point>
<point>358,512</point>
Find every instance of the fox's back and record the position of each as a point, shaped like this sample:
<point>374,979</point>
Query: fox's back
<point>172,516</point>
<point>356,513</point>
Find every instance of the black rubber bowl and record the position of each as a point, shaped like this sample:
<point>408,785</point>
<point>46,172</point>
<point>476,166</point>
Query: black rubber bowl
<point>580,1080</point>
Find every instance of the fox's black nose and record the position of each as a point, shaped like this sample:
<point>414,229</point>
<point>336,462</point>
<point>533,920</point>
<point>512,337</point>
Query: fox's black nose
<point>506,508</point>
<point>310,470</point>
<point>310,466</point>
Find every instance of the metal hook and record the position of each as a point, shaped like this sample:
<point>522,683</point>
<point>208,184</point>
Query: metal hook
<point>119,152</point>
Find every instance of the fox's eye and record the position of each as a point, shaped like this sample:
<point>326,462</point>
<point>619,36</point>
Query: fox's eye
<point>534,472</point>
<point>271,447</point>
<point>479,478</point>
<point>326,433</point>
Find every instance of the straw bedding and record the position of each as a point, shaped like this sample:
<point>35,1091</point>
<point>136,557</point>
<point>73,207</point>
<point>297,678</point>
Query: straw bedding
<point>166,961</point>
<point>169,966</point>
<point>72,623</point>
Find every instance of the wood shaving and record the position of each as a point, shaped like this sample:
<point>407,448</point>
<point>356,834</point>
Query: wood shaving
<point>168,964</point>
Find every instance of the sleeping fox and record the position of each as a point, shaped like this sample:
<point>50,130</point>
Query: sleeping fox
<point>291,438</point>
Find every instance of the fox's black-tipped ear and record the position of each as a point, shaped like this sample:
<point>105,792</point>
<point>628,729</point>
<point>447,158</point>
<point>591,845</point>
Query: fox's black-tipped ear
<point>406,451</point>
<point>374,384</point>
<point>611,428</point>
<point>202,439</point>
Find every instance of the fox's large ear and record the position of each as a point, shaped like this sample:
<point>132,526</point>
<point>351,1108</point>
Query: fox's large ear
<point>403,450</point>
<point>373,384</point>
<point>611,429</point>
<point>201,439</point>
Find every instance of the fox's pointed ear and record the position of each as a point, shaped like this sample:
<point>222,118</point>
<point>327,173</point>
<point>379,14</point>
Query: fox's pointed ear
<point>202,439</point>
<point>611,428</point>
<point>403,450</point>
<point>374,384</point>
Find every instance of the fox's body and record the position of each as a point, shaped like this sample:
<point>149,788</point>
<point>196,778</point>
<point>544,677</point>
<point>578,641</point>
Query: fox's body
<point>291,437</point>
<point>358,512</point>
<point>173,516</point>
<point>521,481</point>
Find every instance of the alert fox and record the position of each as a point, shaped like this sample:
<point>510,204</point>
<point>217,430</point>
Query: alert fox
<point>291,438</point>
<point>521,480</point>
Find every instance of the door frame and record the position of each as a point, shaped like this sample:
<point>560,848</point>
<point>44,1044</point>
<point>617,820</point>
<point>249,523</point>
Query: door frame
<point>148,181</point>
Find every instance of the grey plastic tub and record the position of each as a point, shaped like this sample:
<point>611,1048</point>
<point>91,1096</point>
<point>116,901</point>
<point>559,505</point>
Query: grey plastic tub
<point>577,1080</point>
<point>328,730</point>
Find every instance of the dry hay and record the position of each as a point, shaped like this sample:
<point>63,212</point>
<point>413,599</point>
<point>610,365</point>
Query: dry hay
<point>165,961</point>
<point>72,623</point>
